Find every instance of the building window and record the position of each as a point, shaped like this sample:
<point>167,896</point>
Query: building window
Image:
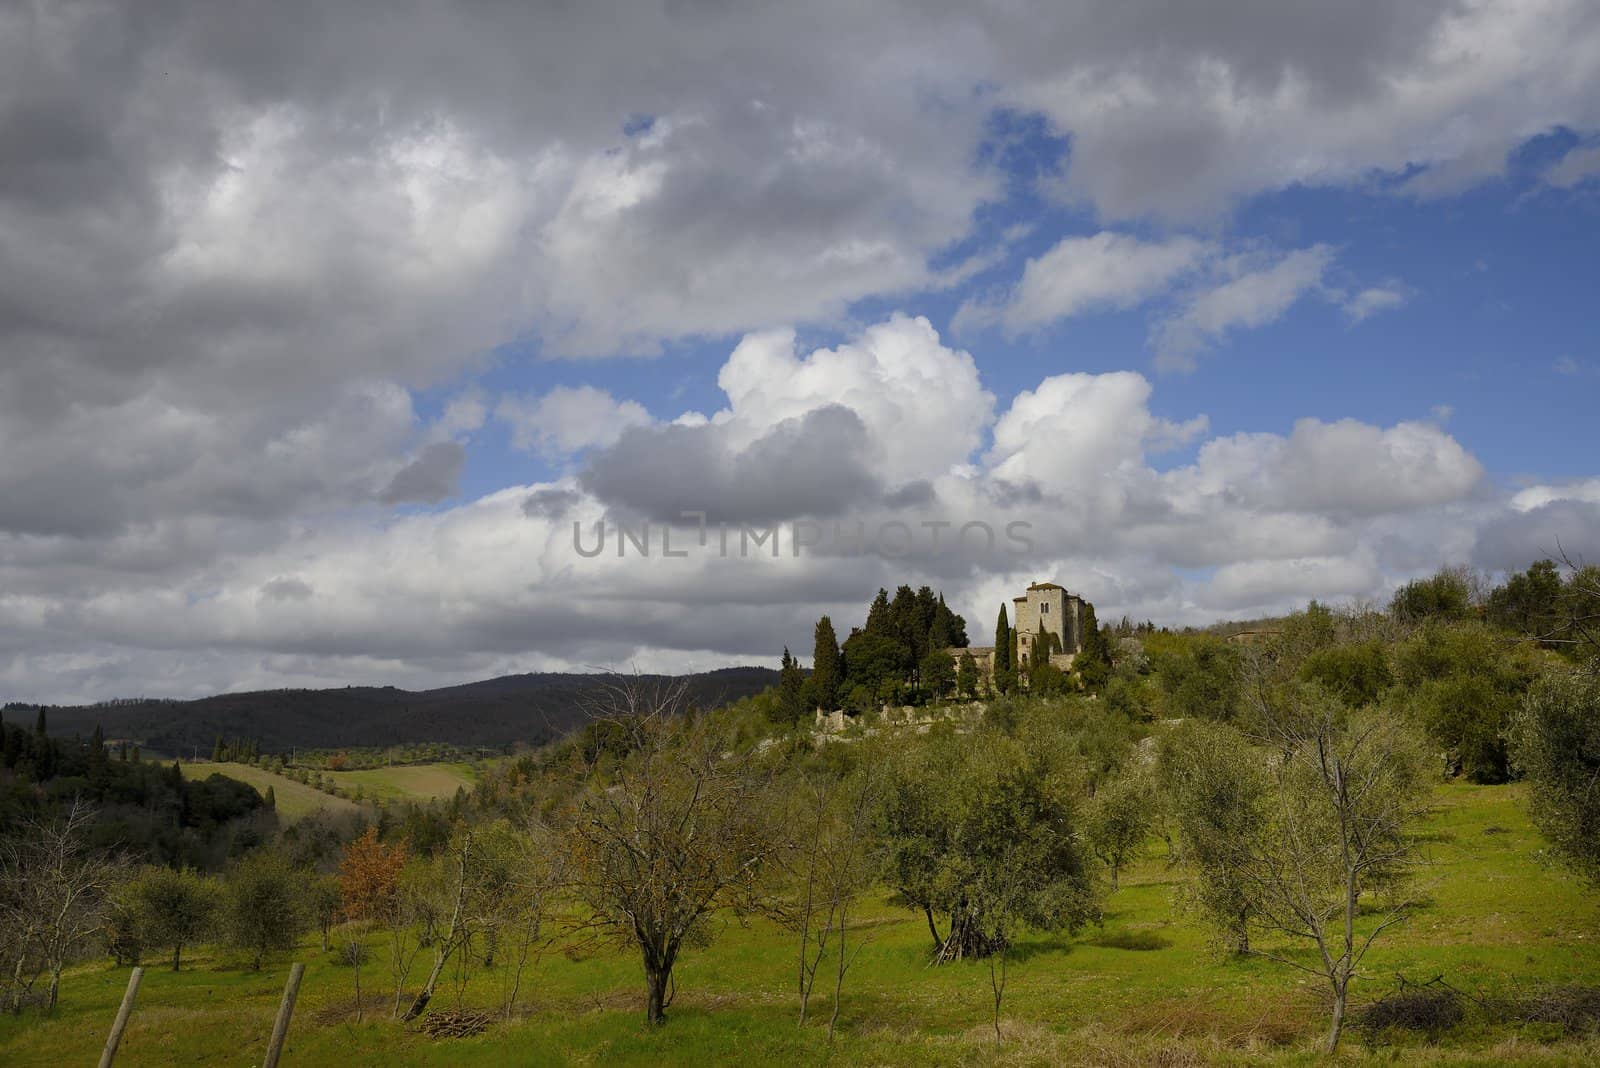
<point>1044,609</point>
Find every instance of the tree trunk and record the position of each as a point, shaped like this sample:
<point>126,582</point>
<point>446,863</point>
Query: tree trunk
<point>1337,1027</point>
<point>177,956</point>
<point>420,1005</point>
<point>655,1005</point>
<point>933,929</point>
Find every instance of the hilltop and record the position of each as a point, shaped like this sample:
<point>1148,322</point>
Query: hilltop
<point>528,709</point>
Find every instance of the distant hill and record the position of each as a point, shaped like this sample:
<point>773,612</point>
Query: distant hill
<point>530,709</point>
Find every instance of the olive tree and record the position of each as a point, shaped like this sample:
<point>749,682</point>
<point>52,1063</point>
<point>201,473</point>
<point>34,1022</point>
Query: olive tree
<point>965,816</point>
<point>1556,745</point>
<point>173,909</point>
<point>680,827</point>
<point>263,907</point>
<point>1337,832</point>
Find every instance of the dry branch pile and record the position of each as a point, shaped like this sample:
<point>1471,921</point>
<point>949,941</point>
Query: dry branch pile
<point>456,1023</point>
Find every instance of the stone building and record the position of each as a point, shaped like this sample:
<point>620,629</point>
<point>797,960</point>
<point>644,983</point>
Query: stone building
<point>1044,603</point>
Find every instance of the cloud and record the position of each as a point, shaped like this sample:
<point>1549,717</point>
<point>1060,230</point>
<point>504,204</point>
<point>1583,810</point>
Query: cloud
<point>1253,296</point>
<point>428,479</point>
<point>1567,526</point>
<point>1179,114</point>
<point>1578,166</point>
<point>286,589</point>
<point>1105,271</point>
<point>1372,300</point>
<point>810,465</point>
<point>567,419</point>
<point>232,251</point>
<point>891,425</point>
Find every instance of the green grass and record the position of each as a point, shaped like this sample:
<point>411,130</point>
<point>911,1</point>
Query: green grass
<point>407,782</point>
<point>295,800</point>
<point>1144,989</point>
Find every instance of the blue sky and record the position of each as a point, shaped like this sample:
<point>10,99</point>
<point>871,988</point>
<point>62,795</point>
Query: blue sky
<point>318,337</point>
<point>1494,335</point>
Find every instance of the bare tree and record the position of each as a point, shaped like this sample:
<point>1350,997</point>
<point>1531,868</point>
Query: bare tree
<point>1337,830</point>
<point>678,826</point>
<point>54,892</point>
<point>836,859</point>
<point>443,894</point>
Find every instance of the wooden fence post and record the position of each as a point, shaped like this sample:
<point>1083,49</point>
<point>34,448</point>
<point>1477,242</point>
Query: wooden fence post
<point>280,1030</point>
<point>121,1021</point>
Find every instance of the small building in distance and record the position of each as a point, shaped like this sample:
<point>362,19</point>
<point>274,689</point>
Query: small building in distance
<point>1045,604</point>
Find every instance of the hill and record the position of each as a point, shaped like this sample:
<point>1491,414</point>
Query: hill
<point>528,709</point>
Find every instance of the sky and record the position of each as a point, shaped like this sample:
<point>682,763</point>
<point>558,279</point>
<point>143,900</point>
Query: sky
<point>333,338</point>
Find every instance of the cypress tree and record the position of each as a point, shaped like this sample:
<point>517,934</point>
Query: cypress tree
<point>1002,651</point>
<point>38,727</point>
<point>791,705</point>
<point>827,670</point>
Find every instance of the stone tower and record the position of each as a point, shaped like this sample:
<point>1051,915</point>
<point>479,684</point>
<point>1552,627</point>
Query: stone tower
<point>1059,612</point>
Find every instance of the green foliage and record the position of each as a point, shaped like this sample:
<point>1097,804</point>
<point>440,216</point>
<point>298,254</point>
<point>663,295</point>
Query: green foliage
<point>170,910</point>
<point>1462,683</point>
<point>1216,795</point>
<point>790,707</point>
<point>1557,744</point>
<point>263,908</point>
<point>876,664</point>
<point>1530,601</point>
<point>1120,819</point>
<point>938,672</point>
<point>1356,672</point>
<point>1004,654</point>
<point>1201,679</point>
<point>967,676</point>
<point>827,669</point>
<point>1447,595</point>
<point>1093,662</point>
<point>980,831</point>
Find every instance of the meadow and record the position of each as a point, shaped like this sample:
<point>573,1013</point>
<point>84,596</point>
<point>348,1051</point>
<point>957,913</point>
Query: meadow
<point>1144,988</point>
<point>296,800</point>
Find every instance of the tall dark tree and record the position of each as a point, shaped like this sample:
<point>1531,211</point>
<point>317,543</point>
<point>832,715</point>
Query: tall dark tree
<point>879,621</point>
<point>954,625</point>
<point>1093,661</point>
<point>827,669</point>
<point>791,707</point>
<point>1004,666</point>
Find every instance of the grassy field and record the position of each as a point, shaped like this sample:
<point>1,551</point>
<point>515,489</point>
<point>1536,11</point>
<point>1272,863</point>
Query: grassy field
<point>1144,989</point>
<point>407,782</point>
<point>295,800</point>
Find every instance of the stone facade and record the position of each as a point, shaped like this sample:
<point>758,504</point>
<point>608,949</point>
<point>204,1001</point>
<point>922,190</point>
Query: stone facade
<point>1060,611</point>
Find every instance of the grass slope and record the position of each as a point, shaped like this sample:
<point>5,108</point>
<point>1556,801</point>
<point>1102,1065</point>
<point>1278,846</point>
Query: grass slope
<point>1142,990</point>
<point>407,782</point>
<point>295,800</point>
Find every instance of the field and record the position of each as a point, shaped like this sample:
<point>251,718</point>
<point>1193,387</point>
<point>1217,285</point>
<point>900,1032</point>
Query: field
<point>407,782</point>
<point>295,800</point>
<point>1142,989</point>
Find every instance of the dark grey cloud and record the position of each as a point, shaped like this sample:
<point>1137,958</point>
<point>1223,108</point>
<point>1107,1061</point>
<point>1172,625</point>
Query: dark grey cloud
<point>817,465</point>
<point>550,503</point>
<point>430,478</point>
<point>286,589</point>
<point>1516,539</point>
